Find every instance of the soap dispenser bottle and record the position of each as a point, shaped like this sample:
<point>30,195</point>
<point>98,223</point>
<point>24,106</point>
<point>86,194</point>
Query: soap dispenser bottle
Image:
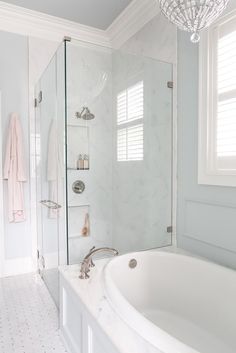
<point>86,162</point>
<point>80,162</point>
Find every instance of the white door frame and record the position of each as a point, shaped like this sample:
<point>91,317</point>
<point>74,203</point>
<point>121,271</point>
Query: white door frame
<point>2,228</point>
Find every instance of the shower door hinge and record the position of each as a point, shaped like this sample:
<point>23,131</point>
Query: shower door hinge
<point>67,39</point>
<point>170,84</point>
<point>40,97</point>
<point>38,100</point>
<point>43,262</point>
<point>169,229</point>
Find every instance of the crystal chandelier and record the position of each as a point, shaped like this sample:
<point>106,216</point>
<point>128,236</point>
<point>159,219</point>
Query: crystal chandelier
<point>192,15</point>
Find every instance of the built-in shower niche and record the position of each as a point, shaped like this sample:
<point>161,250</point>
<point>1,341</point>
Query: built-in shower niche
<point>79,222</point>
<point>77,147</point>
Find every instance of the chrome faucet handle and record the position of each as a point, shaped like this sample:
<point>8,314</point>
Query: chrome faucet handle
<point>83,275</point>
<point>87,262</point>
<point>93,248</point>
<point>84,269</point>
<point>91,263</point>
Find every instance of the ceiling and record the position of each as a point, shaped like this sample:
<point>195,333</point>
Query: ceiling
<point>95,13</point>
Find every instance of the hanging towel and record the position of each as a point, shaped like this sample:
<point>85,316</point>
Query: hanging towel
<point>14,170</point>
<point>55,169</point>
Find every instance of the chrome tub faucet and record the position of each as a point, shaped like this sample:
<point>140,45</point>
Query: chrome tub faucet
<point>87,262</point>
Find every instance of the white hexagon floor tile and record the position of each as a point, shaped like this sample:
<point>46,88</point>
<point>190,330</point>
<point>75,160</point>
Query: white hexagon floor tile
<point>28,317</point>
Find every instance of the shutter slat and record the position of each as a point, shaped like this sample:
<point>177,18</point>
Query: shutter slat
<point>130,107</point>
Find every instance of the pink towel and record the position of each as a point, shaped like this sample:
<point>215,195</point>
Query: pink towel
<point>14,170</point>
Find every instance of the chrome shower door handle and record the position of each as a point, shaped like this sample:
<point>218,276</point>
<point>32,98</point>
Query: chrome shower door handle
<point>50,204</point>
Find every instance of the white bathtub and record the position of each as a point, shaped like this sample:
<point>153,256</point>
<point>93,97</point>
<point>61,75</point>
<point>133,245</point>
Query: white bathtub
<point>178,303</point>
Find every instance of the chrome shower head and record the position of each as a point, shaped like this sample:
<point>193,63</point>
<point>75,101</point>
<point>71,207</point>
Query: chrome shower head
<point>85,114</point>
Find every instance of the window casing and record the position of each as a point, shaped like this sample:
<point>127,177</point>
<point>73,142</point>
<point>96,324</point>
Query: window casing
<point>217,104</point>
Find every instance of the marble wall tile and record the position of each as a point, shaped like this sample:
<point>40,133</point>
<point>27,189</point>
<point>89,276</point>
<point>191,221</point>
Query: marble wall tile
<point>89,84</point>
<point>157,40</point>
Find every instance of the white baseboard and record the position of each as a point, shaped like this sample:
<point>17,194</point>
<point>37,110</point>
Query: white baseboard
<point>17,266</point>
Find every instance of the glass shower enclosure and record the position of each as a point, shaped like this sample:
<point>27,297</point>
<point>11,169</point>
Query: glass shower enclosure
<point>103,155</point>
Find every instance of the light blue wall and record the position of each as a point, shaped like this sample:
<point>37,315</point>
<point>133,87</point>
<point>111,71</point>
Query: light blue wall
<point>14,96</point>
<point>206,215</point>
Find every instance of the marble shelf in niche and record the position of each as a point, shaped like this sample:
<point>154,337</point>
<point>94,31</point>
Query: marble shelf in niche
<point>77,145</point>
<point>77,221</point>
<point>79,170</point>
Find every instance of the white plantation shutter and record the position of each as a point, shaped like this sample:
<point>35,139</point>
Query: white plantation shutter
<point>130,112</point>
<point>226,109</point>
<point>130,104</point>
<point>130,143</point>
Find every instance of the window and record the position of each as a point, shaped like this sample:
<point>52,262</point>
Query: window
<point>217,113</point>
<point>226,100</point>
<point>130,113</point>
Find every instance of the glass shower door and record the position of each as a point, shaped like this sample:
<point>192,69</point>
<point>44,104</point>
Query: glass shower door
<point>50,114</point>
<point>142,153</point>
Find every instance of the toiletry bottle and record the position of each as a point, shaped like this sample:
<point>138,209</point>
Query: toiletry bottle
<point>86,228</point>
<point>86,162</point>
<point>80,162</point>
<point>77,162</point>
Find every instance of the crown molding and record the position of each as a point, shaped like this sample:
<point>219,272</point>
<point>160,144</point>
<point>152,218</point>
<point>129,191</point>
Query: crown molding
<point>27,22</point>
<point>131,20</point>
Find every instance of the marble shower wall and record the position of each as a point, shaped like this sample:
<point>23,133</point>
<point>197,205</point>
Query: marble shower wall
<point>156,40</point>
<point>89,83</point>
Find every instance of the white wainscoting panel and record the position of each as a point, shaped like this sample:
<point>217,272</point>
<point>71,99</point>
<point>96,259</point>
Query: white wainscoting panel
<point>212,223</point>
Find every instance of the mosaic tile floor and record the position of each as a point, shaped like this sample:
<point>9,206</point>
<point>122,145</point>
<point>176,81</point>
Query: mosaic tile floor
<point>28,317</point>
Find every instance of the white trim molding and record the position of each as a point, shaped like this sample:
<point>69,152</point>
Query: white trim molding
<point>209,173</point>
<point>23,21</point>
<point>131,20</point>
<point>16,19</point>
<point>2,228</point>
<point>18,266</point>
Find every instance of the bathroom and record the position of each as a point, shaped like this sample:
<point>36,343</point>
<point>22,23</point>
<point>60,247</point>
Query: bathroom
<point>117,199</point>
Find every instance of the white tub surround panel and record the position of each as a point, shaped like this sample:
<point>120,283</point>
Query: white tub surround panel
<point>191,314</point>
<point>88,324</point>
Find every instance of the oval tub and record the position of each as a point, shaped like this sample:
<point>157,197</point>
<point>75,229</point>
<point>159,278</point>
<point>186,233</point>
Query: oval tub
<point>178,303</point>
